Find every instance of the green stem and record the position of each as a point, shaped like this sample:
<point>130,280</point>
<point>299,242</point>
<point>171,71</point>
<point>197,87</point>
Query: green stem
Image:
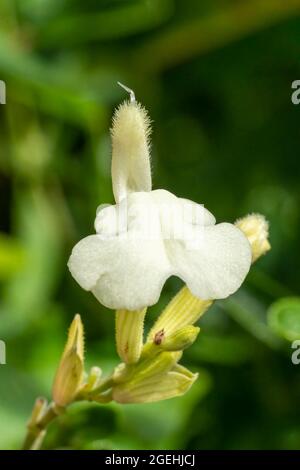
<point>36,429</point>
<point>42,415</point>
<point>101,389</point>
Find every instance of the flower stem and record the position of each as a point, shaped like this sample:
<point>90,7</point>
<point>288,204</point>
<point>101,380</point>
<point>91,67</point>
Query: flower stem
<point>102,389</point>
<point>36,428</point>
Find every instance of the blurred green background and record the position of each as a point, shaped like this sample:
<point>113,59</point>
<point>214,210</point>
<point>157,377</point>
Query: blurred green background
<point>216,78</point>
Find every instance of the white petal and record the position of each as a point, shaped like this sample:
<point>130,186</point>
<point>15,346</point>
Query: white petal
<point>106,220</point>
<point>84,261</point>
<point>177,216</point>
<point>214,263</point>
<point>196,214</point>
<point>123,273</point>
<point>189,210</point>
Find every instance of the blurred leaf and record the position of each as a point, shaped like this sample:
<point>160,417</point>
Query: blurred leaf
<point>15,425</point>
<point>120,21</point>
<point>29,293</point>
<point>17,392</point>
<point>221,26</point>
<point>12,256</point>
<point>226,349</point>
<point>250,314</point>
<point>284,318</point>
<point>59,91</point>
<point>83,425</point>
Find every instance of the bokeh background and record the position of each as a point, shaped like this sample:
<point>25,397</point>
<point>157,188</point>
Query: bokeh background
<point>216,78</point>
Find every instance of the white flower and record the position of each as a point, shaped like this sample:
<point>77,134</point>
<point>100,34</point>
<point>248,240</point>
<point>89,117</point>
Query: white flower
<point>149,236</point>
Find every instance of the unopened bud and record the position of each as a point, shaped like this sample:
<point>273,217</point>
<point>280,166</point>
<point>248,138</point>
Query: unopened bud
<point>70,370</point>
<point>256,229</point>
<point>181,339</point>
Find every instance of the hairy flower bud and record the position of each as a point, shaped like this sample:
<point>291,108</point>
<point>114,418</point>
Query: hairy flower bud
<point>256,229</point>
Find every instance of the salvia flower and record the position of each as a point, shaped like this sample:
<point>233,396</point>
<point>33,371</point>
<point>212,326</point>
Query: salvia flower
<point>150,235</point>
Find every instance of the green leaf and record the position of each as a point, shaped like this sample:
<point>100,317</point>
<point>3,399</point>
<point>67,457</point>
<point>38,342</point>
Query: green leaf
<point>284,317</point>
<point>81,28</point>
<point>29,293</point>
<point>250,313</point>
<point>12,256</point>
<point>225,349</point>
